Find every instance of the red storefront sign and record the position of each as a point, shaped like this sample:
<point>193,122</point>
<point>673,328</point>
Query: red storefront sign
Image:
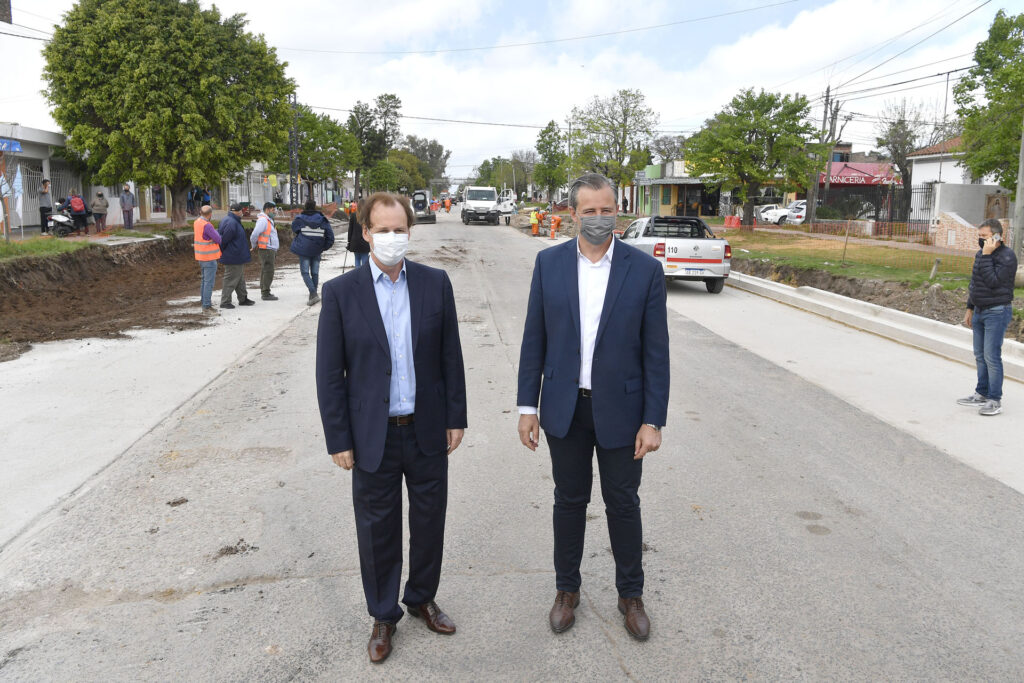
<point>844,173</point>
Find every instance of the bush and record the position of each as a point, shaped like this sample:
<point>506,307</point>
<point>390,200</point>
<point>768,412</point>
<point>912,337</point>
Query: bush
<point>826,213</point>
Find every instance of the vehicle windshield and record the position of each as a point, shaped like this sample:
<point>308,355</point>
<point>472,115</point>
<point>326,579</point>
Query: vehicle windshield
<point>796,204</point>
<point>673,227</point>
<point>481,195</point>
<point>419,201</point>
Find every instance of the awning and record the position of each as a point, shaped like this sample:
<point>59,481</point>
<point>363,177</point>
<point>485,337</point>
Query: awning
<point>845,173</point>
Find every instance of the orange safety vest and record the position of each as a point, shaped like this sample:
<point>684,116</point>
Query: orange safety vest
<point>263,242</point>
<point>206,250</point>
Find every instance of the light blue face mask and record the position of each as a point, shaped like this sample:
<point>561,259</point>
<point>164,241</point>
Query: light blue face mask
<point>597,229</point>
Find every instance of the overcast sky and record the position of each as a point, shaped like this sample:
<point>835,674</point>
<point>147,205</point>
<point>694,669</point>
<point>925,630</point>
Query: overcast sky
<point>688,69</point>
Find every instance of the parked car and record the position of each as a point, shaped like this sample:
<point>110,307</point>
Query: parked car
<point>778,215</point>
<point>797,212</point>
<point>686,247</point>
<point>760,210</point>
<point>561,205</point>
<point>421,207</point>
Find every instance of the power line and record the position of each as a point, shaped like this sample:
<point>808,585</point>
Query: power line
<point>911,80</point>
<point>37,30</point>
<point>542,42</point>
<point>929,36</point>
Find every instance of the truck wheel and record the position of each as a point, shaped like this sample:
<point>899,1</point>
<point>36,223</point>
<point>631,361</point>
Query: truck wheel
<point>465,221</point>
<point>508,220</point>
<point>715,284</point>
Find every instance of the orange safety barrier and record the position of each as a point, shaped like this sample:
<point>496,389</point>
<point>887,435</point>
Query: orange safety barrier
<point>556,223</point>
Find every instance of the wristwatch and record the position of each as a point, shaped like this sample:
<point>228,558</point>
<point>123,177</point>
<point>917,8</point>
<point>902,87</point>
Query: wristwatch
<point>654,427</point>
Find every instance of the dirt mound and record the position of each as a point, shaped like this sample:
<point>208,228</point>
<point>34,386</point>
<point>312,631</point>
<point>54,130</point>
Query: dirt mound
<point>103,292</point>
<point>930,302</point>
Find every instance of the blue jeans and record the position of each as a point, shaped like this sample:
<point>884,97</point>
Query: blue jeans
<point>209,270</point>
<point>361,258</point>
<point>989,325</point>
<point>309,266</point>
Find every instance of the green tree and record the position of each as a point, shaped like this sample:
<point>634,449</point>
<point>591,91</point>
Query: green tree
<point>668,147</point>
<point>990,102</point>
<point>550,170</point>
<point>757,138</point>
<point>433,154</point>
<point>902,129</point>
<point>327,150</point>
<point>376,130</point>
<point>383,176</point>
<point>410,169</point>
<point>182,96</point>
<point>608,133</point>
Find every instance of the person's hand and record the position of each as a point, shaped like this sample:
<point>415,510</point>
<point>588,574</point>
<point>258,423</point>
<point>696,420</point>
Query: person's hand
<point>990,246</point>
<point>968,317</point>
<point>345,460</point>
<point>454,439</point>
<point>648,440</point>
<point>529,431</point>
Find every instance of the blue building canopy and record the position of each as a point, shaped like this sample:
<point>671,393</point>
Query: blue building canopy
<point>9,145</point>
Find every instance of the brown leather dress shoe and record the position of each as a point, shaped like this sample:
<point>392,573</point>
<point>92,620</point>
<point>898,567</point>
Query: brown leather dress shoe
<point>436,620</point>
<point>380,641</point>
<point>636,621</point>
<point>563,613</point>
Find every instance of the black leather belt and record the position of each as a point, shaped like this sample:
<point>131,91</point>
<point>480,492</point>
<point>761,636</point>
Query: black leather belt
<point>402,420</point>
<point>586,393</point>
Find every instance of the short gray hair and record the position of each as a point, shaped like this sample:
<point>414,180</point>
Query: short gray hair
<point>595,181</point>
<point>994,225</point>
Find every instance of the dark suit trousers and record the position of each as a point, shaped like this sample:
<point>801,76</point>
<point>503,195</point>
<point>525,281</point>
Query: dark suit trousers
<point>572,469</point>
<point>377,499</point>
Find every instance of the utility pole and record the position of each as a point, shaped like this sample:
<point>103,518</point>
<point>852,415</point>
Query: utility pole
<point>1018,210</point>
<point>812,185</point>
<point>293,152</point>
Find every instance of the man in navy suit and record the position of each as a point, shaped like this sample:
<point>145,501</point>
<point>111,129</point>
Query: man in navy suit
<point>595,359</point>
<point>392,392</point>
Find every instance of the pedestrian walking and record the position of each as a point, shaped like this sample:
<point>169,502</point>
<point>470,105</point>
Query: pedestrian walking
<point>312,237</point>
<point>128,204</point>
<point>596,362</point>
<point>625,204</point>
<point>392,392</point>
<point>989,312</point>
<point>206,245</point>
<point>234,254</point>
<point>45,206</point>
<point>265,241</point>
<point>99,206</point>
<point>357,244</point>
<point>75,204</point>
<point>447,205</point>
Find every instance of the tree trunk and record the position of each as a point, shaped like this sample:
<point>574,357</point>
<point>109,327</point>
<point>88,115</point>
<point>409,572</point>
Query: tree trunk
<point>357,188</point>
<point>179,202</point>
<point>748,214</point>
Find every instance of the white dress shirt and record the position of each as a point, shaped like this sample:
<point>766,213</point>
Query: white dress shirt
<point>593,284</point>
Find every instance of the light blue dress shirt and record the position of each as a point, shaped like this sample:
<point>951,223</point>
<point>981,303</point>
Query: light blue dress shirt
<point>393,301</point>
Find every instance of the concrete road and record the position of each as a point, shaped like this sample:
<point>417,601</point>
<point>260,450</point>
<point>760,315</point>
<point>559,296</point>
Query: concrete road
<point>789,534</point>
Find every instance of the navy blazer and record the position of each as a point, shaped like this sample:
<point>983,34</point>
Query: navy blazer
<point>353,364</point>
<point>630,373</point>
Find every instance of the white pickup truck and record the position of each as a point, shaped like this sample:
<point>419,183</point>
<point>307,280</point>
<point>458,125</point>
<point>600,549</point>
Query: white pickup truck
<point>686,247</point>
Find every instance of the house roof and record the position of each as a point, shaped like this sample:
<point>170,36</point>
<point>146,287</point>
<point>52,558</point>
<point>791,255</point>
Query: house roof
<point>944,147</point>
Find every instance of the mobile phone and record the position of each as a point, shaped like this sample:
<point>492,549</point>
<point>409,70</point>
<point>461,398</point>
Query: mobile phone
<point>997,238</point>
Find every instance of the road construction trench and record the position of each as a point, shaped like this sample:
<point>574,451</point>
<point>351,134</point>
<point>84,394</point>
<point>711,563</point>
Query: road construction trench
<point>106,291</point>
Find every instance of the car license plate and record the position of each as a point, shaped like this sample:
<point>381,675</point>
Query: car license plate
<point>694,271</point>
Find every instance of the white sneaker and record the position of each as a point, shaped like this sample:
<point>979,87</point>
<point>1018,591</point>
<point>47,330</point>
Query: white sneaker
<point>991,408</point>
<point>974,400</point>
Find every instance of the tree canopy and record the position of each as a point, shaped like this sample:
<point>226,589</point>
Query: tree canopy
<point>550,170</point>
<point>990,102</point>
<point>164,92</point>
<point>327,150</point>
<point>376,129</point>
<point>610,135</point>
<point>432,154</point>
<point>757,138</point>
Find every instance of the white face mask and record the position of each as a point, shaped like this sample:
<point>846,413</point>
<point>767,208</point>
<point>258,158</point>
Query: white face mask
<point>389,247</point>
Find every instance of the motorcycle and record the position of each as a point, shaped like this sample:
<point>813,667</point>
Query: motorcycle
<point>60,223</point>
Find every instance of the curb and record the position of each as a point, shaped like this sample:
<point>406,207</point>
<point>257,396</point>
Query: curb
<point>950,341</point>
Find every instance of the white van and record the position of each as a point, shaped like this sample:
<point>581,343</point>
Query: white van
<point>481,205</point>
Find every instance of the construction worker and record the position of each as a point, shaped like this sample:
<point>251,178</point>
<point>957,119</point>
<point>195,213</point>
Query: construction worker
<point>534,227</point>
<point>266,243</point>
<point>206,245</point>
<point>447,205</point>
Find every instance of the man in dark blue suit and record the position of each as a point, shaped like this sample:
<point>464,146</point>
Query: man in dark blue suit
<point>392,392</point>
<point>595,359</point>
